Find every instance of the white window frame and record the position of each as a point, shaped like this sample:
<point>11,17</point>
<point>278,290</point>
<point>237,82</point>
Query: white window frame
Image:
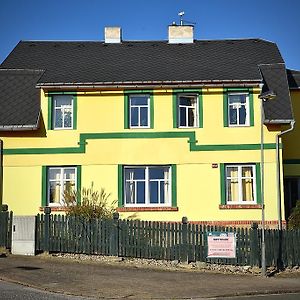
<point>139,110</point>
<point>147,181</point>
<point>62,108</point>
<point>247,107</point>
<point>62,181</point>
<point>240,184</point>
<point>195,107</point>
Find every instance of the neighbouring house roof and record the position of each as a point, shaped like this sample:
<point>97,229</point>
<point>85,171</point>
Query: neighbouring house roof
<point>279,109</point>
<point>19,99</point>
<point>293,78</point>
<point>144,61</point>
<point>133,64</point>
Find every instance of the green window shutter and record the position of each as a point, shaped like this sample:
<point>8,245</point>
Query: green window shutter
<point>44,186</point>
<point>78,183</point>
<point>223,184</point>
<point>200,108</point>
<point>151,111</point>
<point>120,186</point>
<point>175,112</point>
<point>74,112</point>
<point>225,108</point>
<point>50,112</point>
<point>174,185</point>
<point>258,183</point>
<point>251,107</point>
<point>126,111</point>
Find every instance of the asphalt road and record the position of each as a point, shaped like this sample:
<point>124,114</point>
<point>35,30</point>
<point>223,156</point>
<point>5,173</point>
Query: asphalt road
<point>13,291</point>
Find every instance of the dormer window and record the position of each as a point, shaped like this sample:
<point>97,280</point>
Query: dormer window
<point>63,111</point>
<point>238,109</point>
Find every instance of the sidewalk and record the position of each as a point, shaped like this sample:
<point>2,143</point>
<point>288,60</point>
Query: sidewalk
<point>102,280</point>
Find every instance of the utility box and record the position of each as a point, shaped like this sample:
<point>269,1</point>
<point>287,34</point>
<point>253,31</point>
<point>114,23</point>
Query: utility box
<point>23,235</point>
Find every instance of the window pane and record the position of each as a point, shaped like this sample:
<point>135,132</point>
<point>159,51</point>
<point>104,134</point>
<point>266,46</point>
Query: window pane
<point>182,116</point>
<point>135,173</point>
<point>140,192</point>
<point>236,99</point>
<point>154,192</point>
<point>232,115</point>
<point>67,118</point>
<point>156,173</point>
<point>134,117</point>
<point>247,172</point>
<point>54,174</point>
<point>163,192</point>
<point>191,116</point>
<point>187,101</point>
<point>58,122</point>
<point>130,192</point>
<point>139,100</point>
<point>69,173</point>
<point>54,192</point>
<point>144,116</point>
<point>242,115</point>
<point>232,190</point>
<point>231,172</point>
<point>63,101</point>
<point>248,190</point>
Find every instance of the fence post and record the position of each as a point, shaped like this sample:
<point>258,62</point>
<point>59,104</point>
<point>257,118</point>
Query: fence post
<point>184,245</point>
<point>254,245</point>
<point>114,238</point>
<point>47,212</point>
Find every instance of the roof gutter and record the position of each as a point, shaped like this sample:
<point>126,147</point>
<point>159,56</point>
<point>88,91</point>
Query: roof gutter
<point>150,84</point>
<point>18,127</point>
<point>278,136</point>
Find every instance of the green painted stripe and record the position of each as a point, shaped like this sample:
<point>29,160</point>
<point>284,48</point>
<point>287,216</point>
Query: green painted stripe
<point>258,183</point>
<point>251,107</point>
<point>61,93</point>
<point>120,186</point>
<point>225,108</point>
<point>200,109</point>
<point>126,111</point>
<point>74,112</point>
<point>50,113</point>
<point>174,185</point>
<point>222,184</point>
<point>44,186</point>
<point>190,135</point>
<point>78,182</point>
<point>151,111</point>
<point>174,108</point>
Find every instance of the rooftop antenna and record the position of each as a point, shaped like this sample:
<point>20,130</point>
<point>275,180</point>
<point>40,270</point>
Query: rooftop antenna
<point>181,14</point>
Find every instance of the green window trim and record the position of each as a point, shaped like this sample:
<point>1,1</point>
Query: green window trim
<point>223,183</point>
<point>225,104</point>
<point>127,94</point>
<point>175,105</point>
<point>44,199</point>
<point>50,108</point>
<point>121,185</point>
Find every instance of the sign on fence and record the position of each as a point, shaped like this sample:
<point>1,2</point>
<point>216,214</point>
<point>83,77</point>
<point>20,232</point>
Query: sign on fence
<point>221,244</point>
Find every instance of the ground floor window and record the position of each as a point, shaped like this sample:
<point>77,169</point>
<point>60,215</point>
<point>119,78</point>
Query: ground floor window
<point>240,184</point>
<point>147,185</point>
<point>60,180</point>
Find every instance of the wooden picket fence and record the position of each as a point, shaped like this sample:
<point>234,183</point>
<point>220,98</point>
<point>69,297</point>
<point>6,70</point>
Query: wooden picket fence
<point>5,228</point>
<point>160,240</point>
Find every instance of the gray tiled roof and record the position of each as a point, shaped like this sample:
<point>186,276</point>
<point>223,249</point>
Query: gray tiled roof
<point>293,78</point>
<point>279,109</point>
<point>97,62</point>
<point>19,99</point>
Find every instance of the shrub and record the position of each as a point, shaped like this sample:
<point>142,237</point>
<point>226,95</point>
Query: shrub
<point>93,204</point>
<point>294,218</point>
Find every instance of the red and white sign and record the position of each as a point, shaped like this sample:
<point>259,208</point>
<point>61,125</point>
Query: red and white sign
<point>221,245</point>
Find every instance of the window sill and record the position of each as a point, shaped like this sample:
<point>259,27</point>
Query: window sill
<point>54,208</point>
<point>240,206</point>
<point>134,209</point>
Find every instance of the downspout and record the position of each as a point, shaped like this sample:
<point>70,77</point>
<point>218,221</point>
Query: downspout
<point>278,136</point>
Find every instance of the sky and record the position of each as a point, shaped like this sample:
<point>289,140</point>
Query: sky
<point>274,20</point>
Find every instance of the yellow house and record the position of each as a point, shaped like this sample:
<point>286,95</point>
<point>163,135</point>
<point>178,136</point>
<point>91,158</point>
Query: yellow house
<point>171,128</point>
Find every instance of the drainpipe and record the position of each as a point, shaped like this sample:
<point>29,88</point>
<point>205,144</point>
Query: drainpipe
<point>278,136</point>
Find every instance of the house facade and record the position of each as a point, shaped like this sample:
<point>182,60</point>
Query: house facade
<point>169,128</point>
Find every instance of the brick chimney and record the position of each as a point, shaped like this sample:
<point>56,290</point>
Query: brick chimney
<point>112,35</point>
<point>181,34</point>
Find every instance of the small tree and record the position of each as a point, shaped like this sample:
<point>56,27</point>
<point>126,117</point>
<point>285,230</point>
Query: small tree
<point>294,218</point>
<point>93,204</point>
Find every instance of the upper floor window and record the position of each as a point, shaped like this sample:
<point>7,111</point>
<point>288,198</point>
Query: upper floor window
<point>147,185</point>
<point>63,112</point>
<point>238,109</point>
<point>188,110</point>
<point>139,111</point>
<point>60,180</point>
